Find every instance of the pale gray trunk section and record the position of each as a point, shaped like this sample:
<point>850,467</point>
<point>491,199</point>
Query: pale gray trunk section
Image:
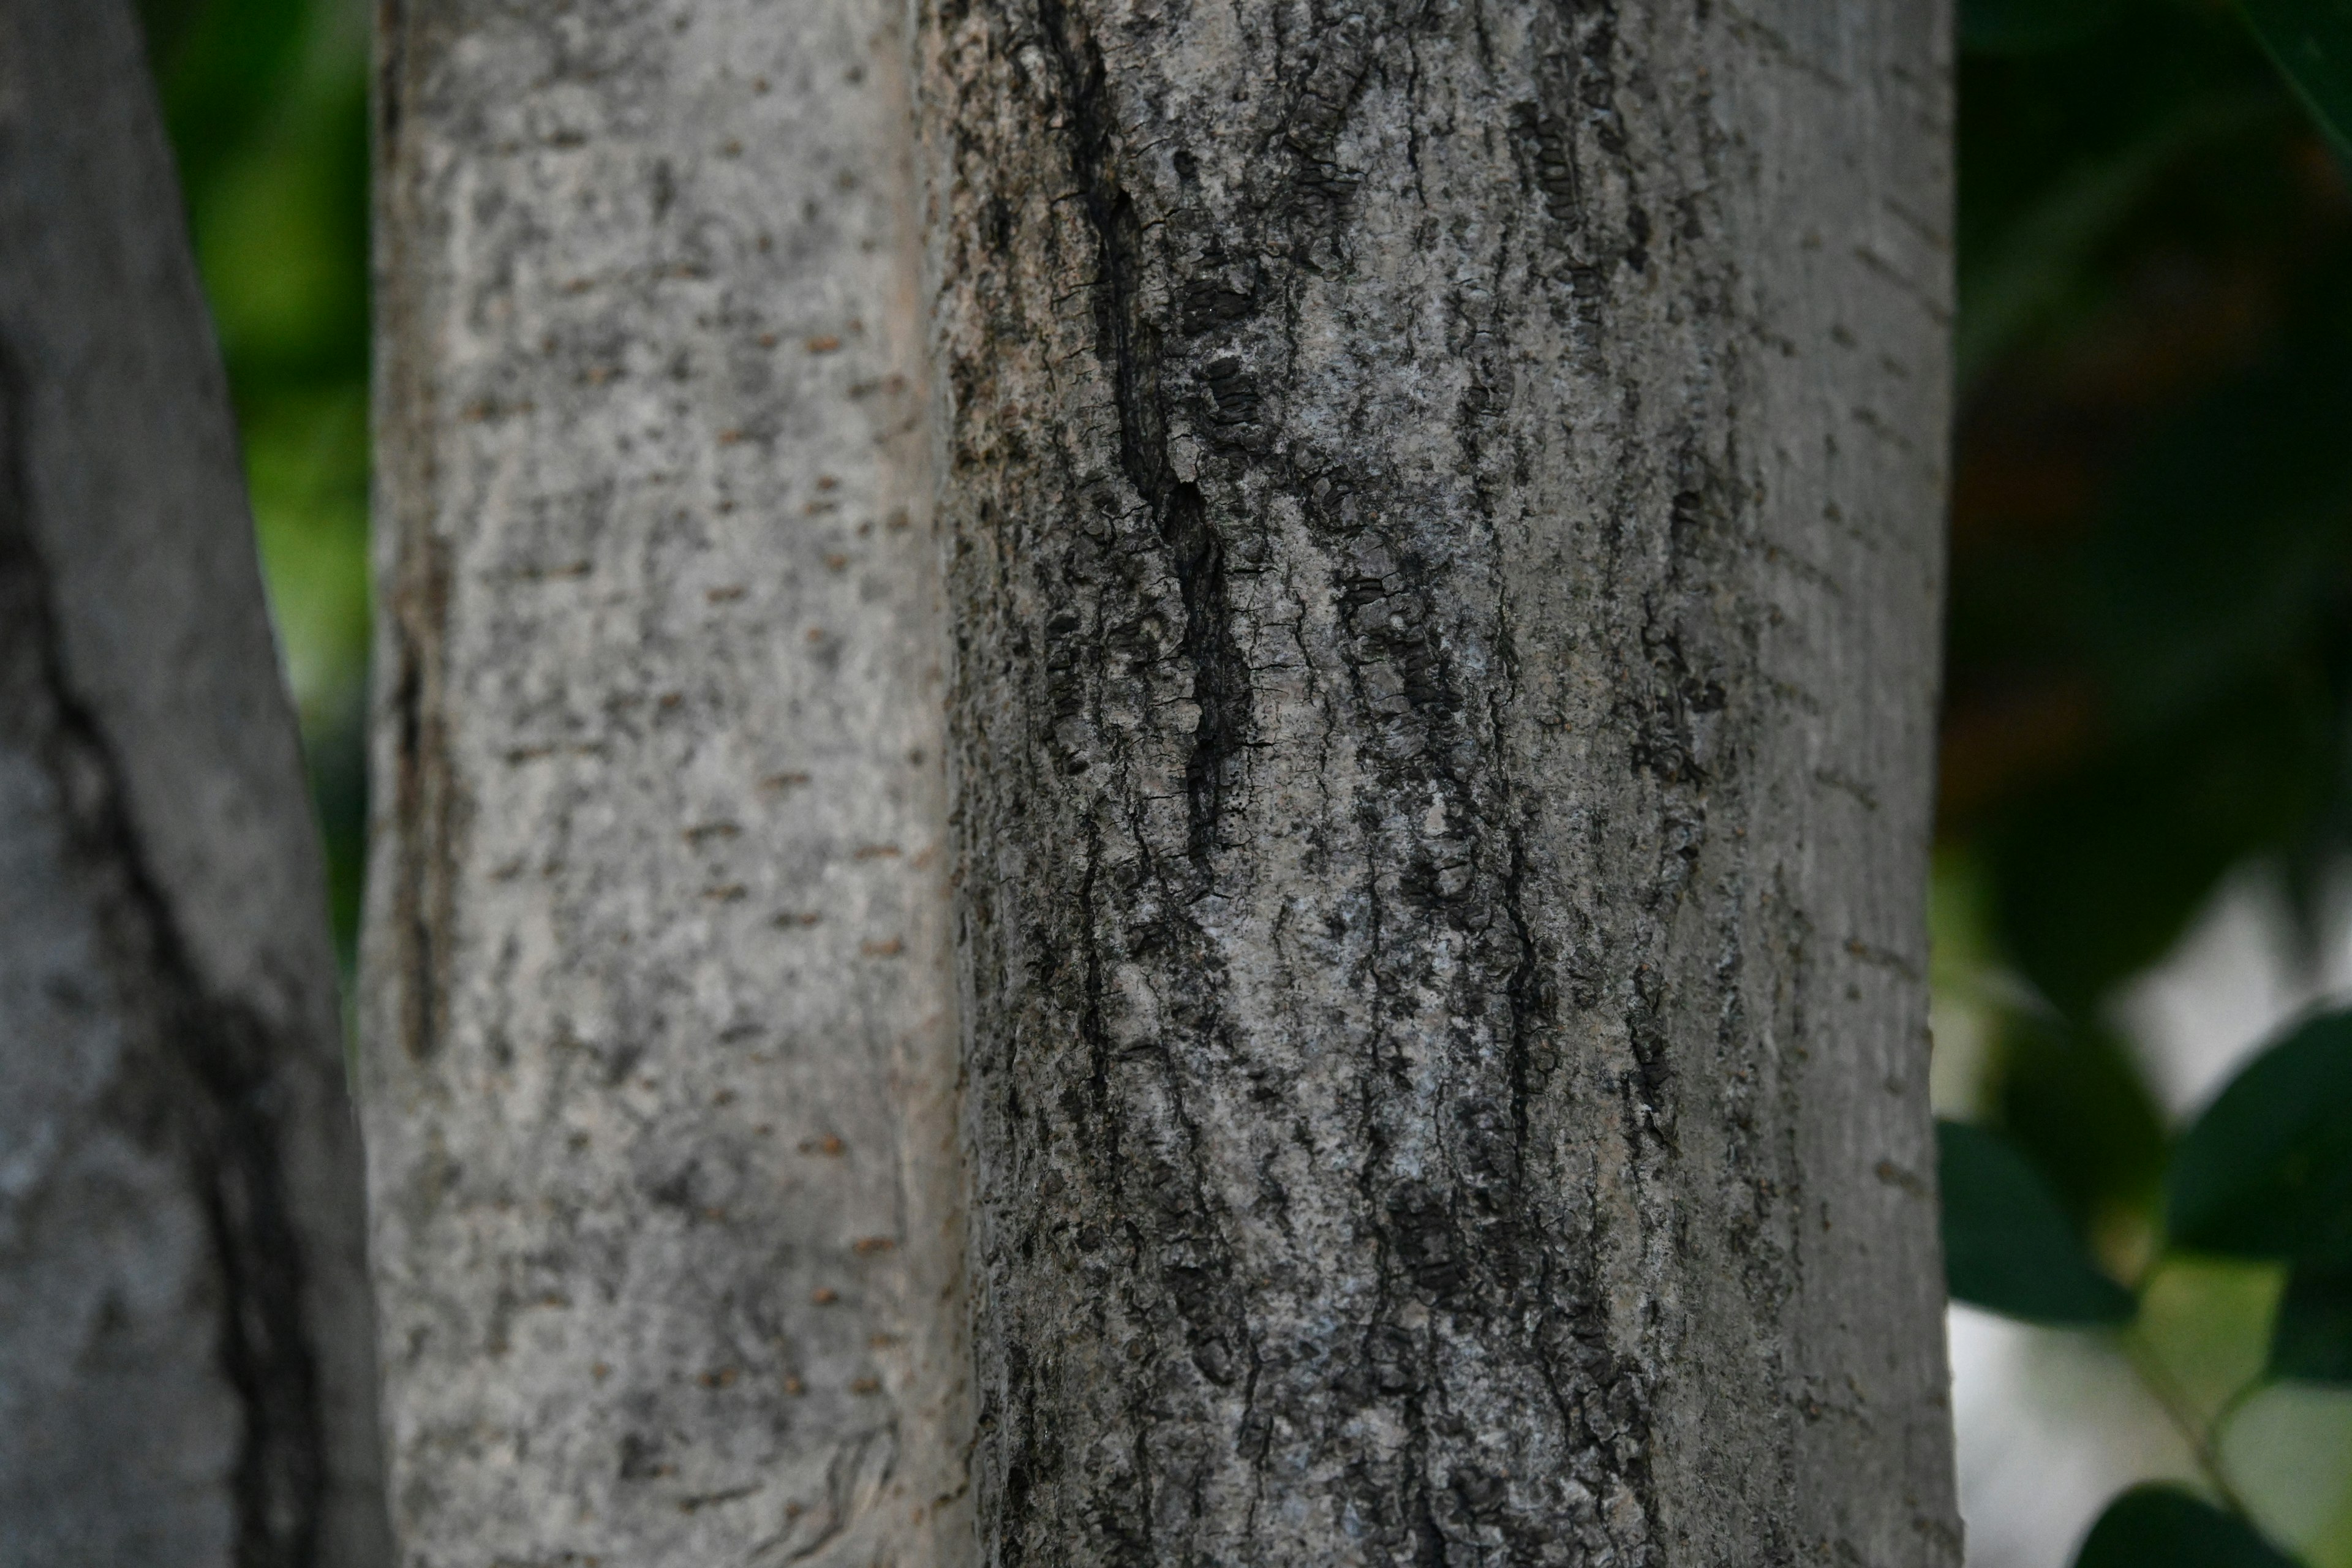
<point>658,1027</point>
<point>186,1353</point>
<point>1444,502</point>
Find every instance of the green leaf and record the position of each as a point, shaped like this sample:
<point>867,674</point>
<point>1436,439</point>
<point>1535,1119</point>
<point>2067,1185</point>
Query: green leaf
<point>2006,1244</point>
<point>2266,1172</point>
<point>2074,1101</point>
<point>2310,1338</point>
<point>2311,43</point>
<point>2165,1527</point>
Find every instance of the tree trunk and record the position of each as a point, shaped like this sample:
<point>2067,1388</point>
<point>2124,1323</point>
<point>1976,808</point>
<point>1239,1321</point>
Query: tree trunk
<point>659,994</point>
<point>1444,503</point>
<point>187,1352</point>
<point>1441,519</point>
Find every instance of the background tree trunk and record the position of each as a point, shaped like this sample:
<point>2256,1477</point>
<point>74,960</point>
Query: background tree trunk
<point>186,1350</point>
<point>658,995</point>
<point>1445,509</point>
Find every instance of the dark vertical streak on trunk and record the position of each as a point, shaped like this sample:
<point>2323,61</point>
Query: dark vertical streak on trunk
<point>391,30</point>
<point>422,793</point>
<point>417,604</point>
<point>1130,343</point>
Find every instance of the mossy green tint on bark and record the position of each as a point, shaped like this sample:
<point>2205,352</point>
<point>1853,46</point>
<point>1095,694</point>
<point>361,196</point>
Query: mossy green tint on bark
<point>1444,505</point>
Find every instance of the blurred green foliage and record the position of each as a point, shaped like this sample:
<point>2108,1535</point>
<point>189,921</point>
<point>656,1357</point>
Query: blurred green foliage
<point>2264,1175</point>
<point>2150,636</point>
<point>2008,1245</point>
<point>266,101</point>
<point>2149,688</point>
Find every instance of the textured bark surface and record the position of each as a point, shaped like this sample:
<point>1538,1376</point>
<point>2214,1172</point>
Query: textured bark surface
<point>1444,502</point>
<point>658,1022</point>
<point>186,1353</point>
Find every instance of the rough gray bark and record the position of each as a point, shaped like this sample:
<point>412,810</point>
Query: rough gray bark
<point>186,1353</point>
<point>1445,500</point>
<point>658,993</point>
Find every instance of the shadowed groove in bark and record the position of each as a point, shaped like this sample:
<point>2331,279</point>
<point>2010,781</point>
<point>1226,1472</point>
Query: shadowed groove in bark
<point>424,915</point>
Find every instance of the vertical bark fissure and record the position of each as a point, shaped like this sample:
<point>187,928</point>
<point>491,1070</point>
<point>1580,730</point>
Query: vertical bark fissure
<point>413,560</point>
<point>421,1026</point>
<point>1129,345</point>
<point>392,47</point>
<point>424,793</point>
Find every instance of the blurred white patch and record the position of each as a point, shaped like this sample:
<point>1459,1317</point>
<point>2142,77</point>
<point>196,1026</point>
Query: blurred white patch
<point>2050,1424</point>
<point>2234,979</point>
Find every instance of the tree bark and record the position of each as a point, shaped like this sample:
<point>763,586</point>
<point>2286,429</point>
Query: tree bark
<point>1441,518</point>
<point>658,995</point>
<point>187,1350</point>
<point>1444,502</point>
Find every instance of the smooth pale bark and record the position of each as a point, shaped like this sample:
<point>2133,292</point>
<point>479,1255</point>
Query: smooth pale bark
<point>658,1035</point>
<point>1444,501</point>
<point>186,1353</point>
